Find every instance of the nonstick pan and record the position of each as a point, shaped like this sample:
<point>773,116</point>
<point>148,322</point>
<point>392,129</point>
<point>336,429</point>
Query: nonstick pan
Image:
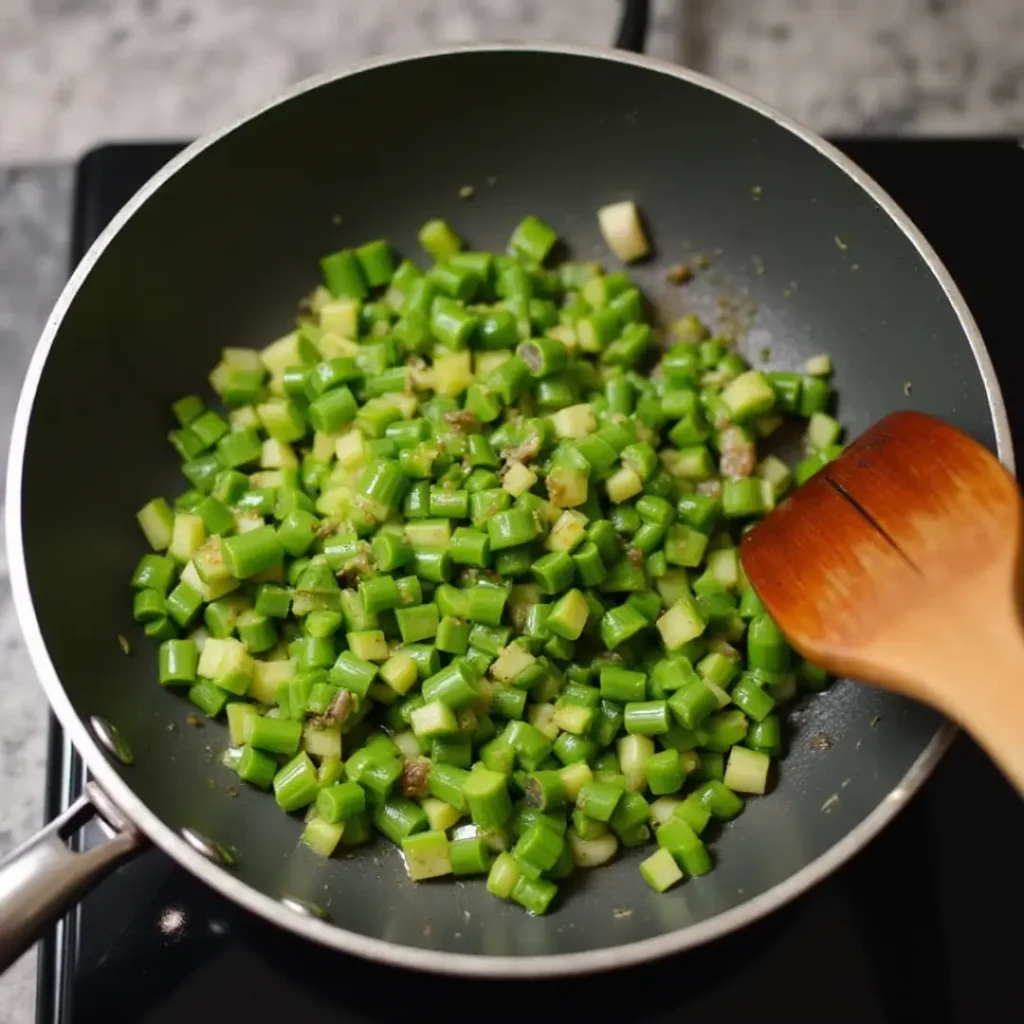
<point>212,253</point>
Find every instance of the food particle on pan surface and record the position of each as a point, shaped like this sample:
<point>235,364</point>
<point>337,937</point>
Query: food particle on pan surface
<point>908,386</point>
<point>821,741</point>
<point>457,563</point>
<point>124,643</point>
<point>467,192</point>
<point>826,807</point>
<point>679,273</point>
<point>622,230</point>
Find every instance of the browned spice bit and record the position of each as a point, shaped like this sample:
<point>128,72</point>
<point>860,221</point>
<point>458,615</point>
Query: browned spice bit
<point>821,741</point>
<point>326,529</point>
<point>525,452</point>
<point>702,261</point>
<point>195,721</point>
<point>738,455</point>
<point>337,711</point>
<point>908,386</point>
<point>463,420</point>
<point>355,568</point>
<point>415,773</point>
<point>679,273</point>
<point>636,557</point>
<point>875,721</point>
<point>231,792</point>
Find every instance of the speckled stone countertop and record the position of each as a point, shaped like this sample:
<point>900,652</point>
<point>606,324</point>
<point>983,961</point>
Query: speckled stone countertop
<point>75,73</point>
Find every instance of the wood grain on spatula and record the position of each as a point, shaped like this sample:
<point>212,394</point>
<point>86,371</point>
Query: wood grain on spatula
<point>899,564</point>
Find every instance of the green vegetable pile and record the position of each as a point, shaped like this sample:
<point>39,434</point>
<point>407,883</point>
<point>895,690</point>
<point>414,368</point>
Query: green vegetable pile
<point>460,565</point>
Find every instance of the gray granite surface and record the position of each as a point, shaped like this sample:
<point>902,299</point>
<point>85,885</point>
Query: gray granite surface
<point>35,206</point>
<point>74,73</point>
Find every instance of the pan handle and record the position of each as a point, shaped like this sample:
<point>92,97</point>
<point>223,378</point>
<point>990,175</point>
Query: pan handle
<point>632,32</point>
<point>42,879</point>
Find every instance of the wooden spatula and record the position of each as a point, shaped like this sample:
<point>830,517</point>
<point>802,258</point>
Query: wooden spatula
<point>900,564</point>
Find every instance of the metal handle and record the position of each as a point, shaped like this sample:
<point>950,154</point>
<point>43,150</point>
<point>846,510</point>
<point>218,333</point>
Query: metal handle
<point>42,879</point>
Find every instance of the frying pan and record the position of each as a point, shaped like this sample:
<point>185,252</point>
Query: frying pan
<point>213,252</point>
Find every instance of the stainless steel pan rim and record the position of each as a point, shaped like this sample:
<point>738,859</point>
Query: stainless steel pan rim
<point>333,935</point>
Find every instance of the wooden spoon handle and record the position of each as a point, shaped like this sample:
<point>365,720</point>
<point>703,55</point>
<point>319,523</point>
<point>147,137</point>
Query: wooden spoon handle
<point>998,724</point>
<point>979,682</point>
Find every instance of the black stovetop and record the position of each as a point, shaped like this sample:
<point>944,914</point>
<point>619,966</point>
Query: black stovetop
<point>910,930</point>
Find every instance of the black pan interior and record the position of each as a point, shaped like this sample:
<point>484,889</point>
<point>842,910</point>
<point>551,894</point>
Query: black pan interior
<point>218,255</point>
